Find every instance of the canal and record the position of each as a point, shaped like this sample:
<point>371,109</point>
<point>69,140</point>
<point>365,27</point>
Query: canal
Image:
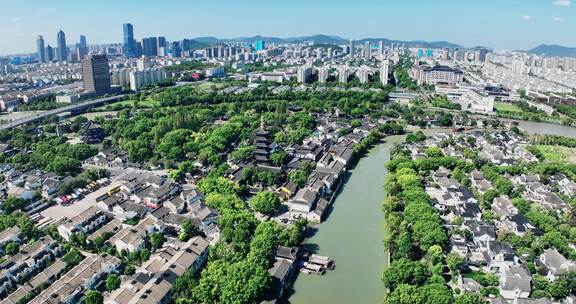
<point>544,128</point>
<point>352,235</point>
<point>353,232</point>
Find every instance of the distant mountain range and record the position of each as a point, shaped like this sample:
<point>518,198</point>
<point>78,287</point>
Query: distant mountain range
<point>553,50</point>
<point>326,39</point>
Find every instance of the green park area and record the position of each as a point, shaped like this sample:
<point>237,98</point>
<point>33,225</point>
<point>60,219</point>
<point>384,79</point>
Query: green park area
<point>558,153</point>
<point>506,107</point>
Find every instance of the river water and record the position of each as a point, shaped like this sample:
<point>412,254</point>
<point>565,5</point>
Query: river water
<point>544,128</point>
<point>353,232</point>
<point>352,235</point>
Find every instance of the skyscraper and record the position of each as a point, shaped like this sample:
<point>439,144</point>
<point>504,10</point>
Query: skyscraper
<point>83,41</point>
<point>49,53</point>
<point>82,47</point>
<point>161,46</point>
<point>380,47</point>
<point>129,45</point>
<point>96,74</point>
<point>384,69</point>
<point>367,50</point>
<point>175,49</point>
<point>41,49</point>
<point>352,48</point>
<point>260,45</point>
<point>150,46</point>
<point>186,44</point>
<point>62,54</point>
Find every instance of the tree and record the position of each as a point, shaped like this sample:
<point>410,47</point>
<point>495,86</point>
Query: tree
<point>13,203</point>
<point>243,153</point>
<point>470,298</point>
<point>454,261</point>
<point>157,239</point>
<point>63,165</point>
<point>433,152</point>
<point>279,158</point>
<point>112,282</point>
<point>558,289</point>
<point>265,202</point>
<point>93,297</point>
<point>435,254</point>
<point>405,294</point>
<point>144,254</point>
<point>298,177</point>
<point>187,231</point>
<point>12,248</point>
<point>404,271</point>
<point>437,293</point>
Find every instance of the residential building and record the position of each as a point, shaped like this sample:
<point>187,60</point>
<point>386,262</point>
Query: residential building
<point>384,70</point>
<point>439,74</point>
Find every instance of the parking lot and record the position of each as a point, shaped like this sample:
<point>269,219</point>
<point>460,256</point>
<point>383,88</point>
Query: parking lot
<point>58,212</point>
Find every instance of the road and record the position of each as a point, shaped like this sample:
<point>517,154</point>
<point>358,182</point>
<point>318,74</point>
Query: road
<point>77,106</point>
<point>39,116</point>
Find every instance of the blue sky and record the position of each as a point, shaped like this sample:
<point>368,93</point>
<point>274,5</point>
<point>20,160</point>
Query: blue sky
<point>509,24</point>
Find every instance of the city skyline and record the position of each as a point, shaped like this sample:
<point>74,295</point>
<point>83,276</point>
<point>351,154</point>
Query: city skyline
<point>510,24</point>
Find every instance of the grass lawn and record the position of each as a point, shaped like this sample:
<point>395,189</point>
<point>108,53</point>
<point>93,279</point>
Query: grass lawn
<point>209,85</point>
<point>558,153</point>
<point>504,106</point>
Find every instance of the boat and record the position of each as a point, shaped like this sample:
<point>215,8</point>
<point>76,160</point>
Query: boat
<point>323,261</point>
<point>313,268</point>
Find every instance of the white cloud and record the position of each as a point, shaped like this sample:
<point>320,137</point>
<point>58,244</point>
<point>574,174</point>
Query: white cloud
<point>557,19</point>
<point>526,17</point>
<point>47,10</point>
<point>562,2</point>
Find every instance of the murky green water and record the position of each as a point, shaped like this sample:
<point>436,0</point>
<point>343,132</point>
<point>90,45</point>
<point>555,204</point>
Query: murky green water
<point>352,235</point>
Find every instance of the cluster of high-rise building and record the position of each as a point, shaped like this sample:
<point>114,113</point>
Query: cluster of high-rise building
<point>62,52</point>
<point>532,73</point>
<point>308,73</point>
<point>134,78</point>
<point>152,46</point>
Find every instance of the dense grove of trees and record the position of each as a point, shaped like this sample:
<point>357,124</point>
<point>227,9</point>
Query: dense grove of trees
<point>567,110</point>
<point>554,140</point>
<point>50,153</point>
<point>403,79</point>
<point>265,202</point>
<point>237,271</point>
